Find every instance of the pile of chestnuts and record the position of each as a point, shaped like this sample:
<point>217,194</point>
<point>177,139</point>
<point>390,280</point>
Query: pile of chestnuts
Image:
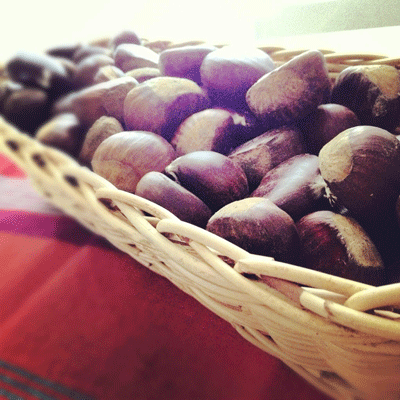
<point>281,160</point>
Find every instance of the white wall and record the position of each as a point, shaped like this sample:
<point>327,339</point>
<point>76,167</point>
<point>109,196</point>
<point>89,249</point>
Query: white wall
<point>40,24</point>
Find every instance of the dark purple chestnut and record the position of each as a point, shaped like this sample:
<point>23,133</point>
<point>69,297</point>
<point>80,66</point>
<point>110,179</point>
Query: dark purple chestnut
<point>65,50</point>
<point>296,186</point>
<point>123,158</point>
<point>361,166</point>
<point>158,188</point>
<point>259,155</point>
<point>291,91</point>
<point>39,70</point>
<point>185,61</point>
<point>160,104</point>
<point>215,129</point>
<point>372,92</point>
<point>211,176</point>
<point>323,124</point>
<point>258,226</point>
<point>338,245</point>
<point>227,74</point>
<point>27,108</point>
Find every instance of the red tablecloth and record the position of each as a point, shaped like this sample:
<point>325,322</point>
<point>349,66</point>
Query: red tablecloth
<point>81,320</point>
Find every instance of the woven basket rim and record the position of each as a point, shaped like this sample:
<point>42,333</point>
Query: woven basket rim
<point>288,279</point>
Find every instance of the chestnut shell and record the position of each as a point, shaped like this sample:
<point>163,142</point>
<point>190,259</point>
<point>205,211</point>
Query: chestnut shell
<point>372,93</point>
<point>258,226</point>
<point>336,244</point>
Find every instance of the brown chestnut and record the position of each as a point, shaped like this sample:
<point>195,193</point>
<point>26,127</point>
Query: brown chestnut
<point>158,188</point>
<point>7,86</point>
<point>361,166</point>
<point>88,67</point>
<point>227,74</point>
<point>184,61</point>
<point>39,70</point>
<point>143,74</point>
<point>107,73</point>
<point>91,103</point>
<point>372,92</point>
<point>129,56</point>
<point>63,132</point>
<point>323,124</point>
<point>88,50</point>
<point>103,128</point>
<point>296,186</point>
<point>291,91</point>
<point>65,50</point>
<point>125,36</point>
<point>160,104</point>
<point>125,157</point>
<point>215,129</point>
<point>338,245</point>
<point>211,176</point>
<point>259,226</point>
<point>259,155</point>
<point>27,109</point>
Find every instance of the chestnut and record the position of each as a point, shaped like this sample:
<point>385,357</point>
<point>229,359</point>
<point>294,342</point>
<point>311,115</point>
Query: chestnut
<point>291,91</point>
<point>88,50</point>
<point>211,176</point>
<point>125,157</point>
<point>7,87</point>
<point>361,166</point>
<point>323,124</point>
<point>125,36</point>
<point>27,108</point>
<point>92,102</point>
<point>160,104</point>
<point>143,74</point>
<point>39,70</point>
<point>184,61</point>
<point>158,188</point>
<point>227,74</point>
<point>129,56</point>
<point>372,92</point>
<point>264,152</point>
<point>65,50</point>
<point>215,129</point>
<point>295,185</point>
<point>337,244</point>
<point>259,226</point>
<point>63,132</point>
<point>103,128</point>
<point>88,67</point>
<point>106,73</point>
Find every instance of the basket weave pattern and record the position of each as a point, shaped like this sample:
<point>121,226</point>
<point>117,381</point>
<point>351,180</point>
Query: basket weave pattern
<point>337,334</point>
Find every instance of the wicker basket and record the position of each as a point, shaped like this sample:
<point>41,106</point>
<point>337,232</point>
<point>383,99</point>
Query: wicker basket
<point>337,334</point>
